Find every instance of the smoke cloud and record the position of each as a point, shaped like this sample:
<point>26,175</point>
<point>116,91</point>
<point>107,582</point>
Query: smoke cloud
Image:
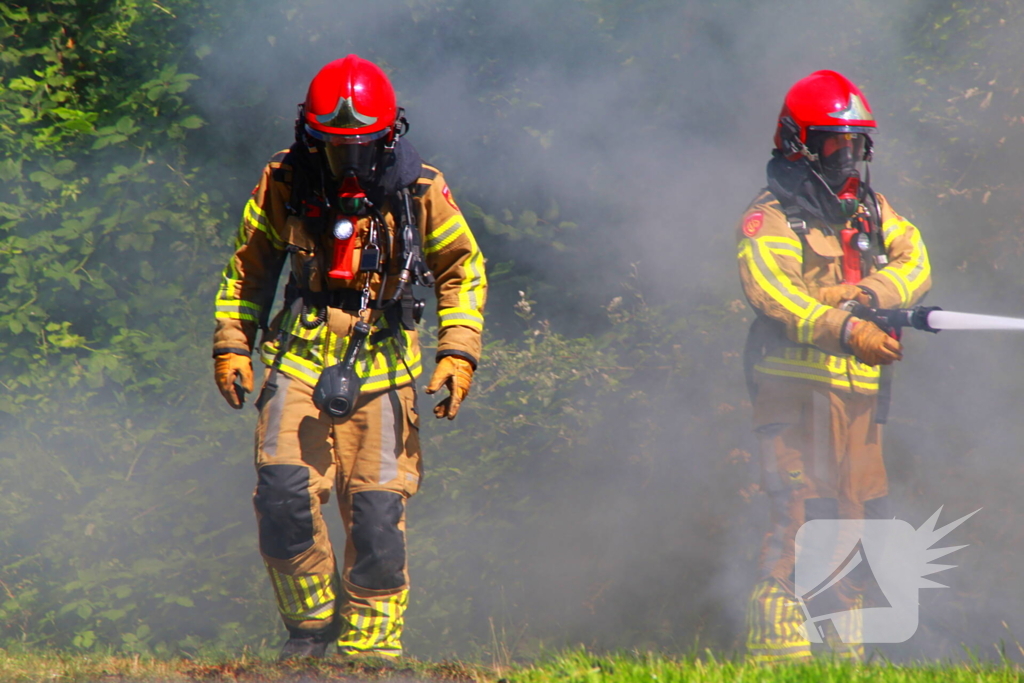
<point>648,126</point>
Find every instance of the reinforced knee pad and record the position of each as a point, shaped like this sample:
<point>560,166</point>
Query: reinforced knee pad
<point>877,508</point>
<point>379,543</point>
<point>821,508</point>
<point>286,518</point>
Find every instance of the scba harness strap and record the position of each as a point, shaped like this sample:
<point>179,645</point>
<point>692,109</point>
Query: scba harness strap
<point>767,334</point>
<point>402,167</point>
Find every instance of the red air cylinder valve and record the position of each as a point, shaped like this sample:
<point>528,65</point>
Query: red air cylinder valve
<point>850,239</point>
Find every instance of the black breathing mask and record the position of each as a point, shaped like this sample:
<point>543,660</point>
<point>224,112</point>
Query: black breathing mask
<point>841,158</point>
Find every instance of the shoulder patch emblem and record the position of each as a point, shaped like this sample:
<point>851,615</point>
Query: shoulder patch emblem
<point>448,196</point>
<point>753,223</point>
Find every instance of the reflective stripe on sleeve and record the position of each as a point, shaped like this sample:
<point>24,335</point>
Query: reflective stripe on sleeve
<point>910,275</point>
<point>473,285</point>
<point>229,308</point>
<point>445,234</point>
<point>257,218</point>
<point>468,317</point>
<point>759,256</point>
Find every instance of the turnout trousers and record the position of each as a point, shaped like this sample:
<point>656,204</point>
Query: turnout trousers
<point>372,461</point>
<point>821,458</point>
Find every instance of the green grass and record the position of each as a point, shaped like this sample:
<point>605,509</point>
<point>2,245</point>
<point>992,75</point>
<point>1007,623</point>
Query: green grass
<point>570,667</point>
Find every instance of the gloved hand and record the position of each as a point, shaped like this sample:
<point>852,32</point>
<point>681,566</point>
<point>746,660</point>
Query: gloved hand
<point>837,294</point>
<point>456,374</point>
<point>870,344</point>
<point>226,367</point>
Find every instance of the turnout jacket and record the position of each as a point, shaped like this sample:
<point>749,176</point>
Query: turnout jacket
<point>268,234</point>
<point>782,272</point>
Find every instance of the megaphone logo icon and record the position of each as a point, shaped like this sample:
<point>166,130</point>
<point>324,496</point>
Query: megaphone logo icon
<point>857,579</point>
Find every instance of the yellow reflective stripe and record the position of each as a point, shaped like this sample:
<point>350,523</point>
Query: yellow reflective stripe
<point>255,216</point>
<point>445,234</point>
<point>808,326</point>
<point>908,276</point>
<point>778,366</point>
<point>238,314</point>
<point>390,373</point>
<point>810,375</point>
<point>377,627</point>
<point>893,228</point>
<point>461,316</point>
<point>296,328</point>
<point>769,276</point>
<point>784,244</point>
<point>237,308</point>
<point>302,598</point>
<point>774,626</point>
<point>861,370</point>
<point>394,377</point>
<point>472,286</point>
<point>897,280</point>
<point>227,305</point>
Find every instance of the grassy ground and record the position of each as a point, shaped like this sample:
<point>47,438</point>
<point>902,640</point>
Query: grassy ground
<point>573,667</point>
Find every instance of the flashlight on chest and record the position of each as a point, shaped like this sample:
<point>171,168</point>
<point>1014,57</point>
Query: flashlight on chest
<point>351,203</point>
<point>342,254</point>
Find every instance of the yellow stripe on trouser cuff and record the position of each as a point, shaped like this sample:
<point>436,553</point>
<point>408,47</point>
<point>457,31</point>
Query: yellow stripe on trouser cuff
<point>775,625</point>
<point>303,598</point>
<point>374,625</point>
<point>844,635</point>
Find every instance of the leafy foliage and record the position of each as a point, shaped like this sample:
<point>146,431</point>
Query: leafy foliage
<point>124,480</point>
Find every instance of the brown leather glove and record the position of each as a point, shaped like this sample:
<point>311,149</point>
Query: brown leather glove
<point>870,344</point>
<point>456,374</point>
<point>837,294</point>
<point>226,367</point>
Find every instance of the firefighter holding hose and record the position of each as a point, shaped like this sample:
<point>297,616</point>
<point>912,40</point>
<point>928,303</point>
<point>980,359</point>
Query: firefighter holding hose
<point>359,219</point>
<point>819,236</point>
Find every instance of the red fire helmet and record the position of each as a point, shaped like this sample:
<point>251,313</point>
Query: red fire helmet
<point>825,100</point>
<point>350,97</point>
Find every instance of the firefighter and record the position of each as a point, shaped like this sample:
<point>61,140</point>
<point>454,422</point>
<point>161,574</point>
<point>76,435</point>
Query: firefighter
<point>358,218</point>
<point>816,237</point>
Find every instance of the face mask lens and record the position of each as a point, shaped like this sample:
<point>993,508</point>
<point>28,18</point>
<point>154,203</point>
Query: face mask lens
<point>347,154</point>
<point>360,159</point>
<point>840,156</point>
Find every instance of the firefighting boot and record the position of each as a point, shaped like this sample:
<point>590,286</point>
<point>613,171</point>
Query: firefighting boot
<point>374,626</point>
<point>305,643</point>
<point>842,635</point>
<point>775,632</point>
